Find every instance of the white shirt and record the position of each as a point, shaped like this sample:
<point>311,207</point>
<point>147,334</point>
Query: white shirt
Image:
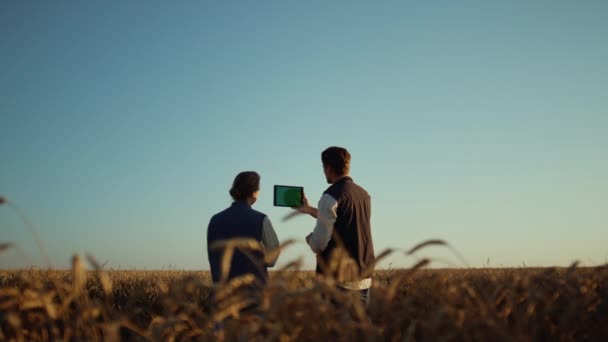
<point>321,234</point>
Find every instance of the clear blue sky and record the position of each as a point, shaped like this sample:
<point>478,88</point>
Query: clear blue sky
<point>123,123</point>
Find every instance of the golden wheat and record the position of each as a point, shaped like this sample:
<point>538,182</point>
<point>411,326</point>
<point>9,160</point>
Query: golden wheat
<point>415,304</point>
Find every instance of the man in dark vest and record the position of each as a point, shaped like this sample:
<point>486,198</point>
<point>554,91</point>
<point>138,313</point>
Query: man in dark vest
<point>342,236</point>
<point>240,221</point>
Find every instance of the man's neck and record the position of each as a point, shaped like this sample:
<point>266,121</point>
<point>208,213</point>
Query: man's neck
<point>339,178</point>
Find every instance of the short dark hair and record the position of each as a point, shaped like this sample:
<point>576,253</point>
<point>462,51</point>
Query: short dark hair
<point>337,158</point>
<point>244,185</point>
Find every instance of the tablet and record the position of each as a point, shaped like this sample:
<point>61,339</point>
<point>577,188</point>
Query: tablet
<point>288,196</point>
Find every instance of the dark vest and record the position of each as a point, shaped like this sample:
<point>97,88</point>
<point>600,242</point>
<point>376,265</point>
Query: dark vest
<point>238,221</point>
<point>352,230</point>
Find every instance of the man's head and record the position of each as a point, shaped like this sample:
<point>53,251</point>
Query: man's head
<point>246,187</point>
<point>336,163</point>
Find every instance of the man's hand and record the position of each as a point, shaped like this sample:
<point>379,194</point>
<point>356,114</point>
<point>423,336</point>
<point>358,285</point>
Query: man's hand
<point>305,208</point>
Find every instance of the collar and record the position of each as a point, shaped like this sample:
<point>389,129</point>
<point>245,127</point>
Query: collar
<point>344,179</point>
<point>240,204</point>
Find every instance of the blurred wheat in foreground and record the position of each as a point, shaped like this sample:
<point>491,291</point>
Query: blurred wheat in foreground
<point>406,305</point>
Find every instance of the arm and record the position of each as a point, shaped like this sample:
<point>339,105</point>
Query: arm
<point>269,239</point>
<point>326,217</point>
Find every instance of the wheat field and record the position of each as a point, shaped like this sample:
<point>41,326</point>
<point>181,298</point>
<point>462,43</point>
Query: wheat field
<point>417,304</point>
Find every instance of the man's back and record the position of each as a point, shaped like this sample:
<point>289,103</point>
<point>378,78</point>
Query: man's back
<point>237,221</point>
<point>352,228</point>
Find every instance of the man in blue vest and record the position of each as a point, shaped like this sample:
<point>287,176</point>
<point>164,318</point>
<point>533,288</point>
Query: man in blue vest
<point>342,238</point>
<point>240,221</point>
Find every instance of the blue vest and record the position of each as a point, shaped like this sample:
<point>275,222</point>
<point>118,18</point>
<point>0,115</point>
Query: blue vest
<point>238,221</point>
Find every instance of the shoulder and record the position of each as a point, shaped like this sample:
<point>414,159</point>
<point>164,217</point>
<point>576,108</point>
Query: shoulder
<point>327,203</point>
<point>361,189</point>
<point>266,224</point>
<point>257,213</point>
<point>220,216</point>
<point>356,188</point>
<point>328,198</point>
<point>217,216</point>
<point>335,190</point>
<point>216,220</point>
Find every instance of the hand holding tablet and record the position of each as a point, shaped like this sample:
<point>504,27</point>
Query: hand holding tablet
<point>293,197</point>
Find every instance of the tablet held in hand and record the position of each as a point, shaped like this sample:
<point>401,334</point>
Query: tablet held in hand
<point>288,196</point>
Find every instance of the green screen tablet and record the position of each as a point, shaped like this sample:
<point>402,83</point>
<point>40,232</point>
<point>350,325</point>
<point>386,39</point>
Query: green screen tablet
<point>288,196</point>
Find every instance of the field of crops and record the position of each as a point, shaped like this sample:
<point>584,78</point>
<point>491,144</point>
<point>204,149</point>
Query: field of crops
<point>423,305</point>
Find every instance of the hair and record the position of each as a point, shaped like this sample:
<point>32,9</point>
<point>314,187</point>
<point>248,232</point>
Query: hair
<point>337,158</point>
<point>244,185</point>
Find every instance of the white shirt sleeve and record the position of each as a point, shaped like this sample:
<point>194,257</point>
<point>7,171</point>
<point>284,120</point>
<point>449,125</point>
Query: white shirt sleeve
<point>326,217</point>
<point>269,239</point>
